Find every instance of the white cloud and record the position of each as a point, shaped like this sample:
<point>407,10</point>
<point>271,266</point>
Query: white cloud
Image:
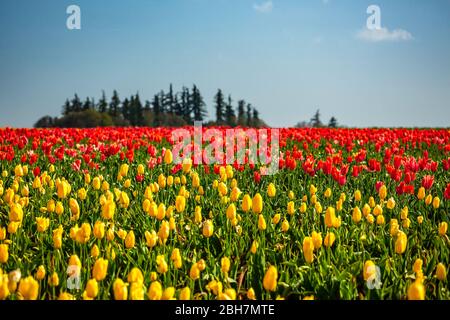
<point>264,7</point>
<point>384,34</point>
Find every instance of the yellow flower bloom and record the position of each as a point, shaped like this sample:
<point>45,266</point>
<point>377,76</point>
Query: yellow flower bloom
<point>271,190</point>
<point>168,294</point>
<point>276,218</point>
<point>254,246</point>
<point>382,192</point>
<point>100,269</point>
<point>246,203</point>
<point>251,294</point>
<point>135,275</point>
<point>162,266</point>
<point>4,254</point>
<point>225,264</point>
<point>261,222</point>
<point>285,226</point>
<point>443,227</point>
<point>308,249</point>
<point>168,157</point>
<point>317,240</point>
<point>28,288</point>
<point>155,291</point>
<point>130,240</point>
<point>441,272</point>
<point>391,203</point>
<point>421,193</point>
<point>369,269</point>
<point>401,242</point>
<point>185,294</point>
<point>329,239</point>
<point>436,202</point>
<point>257,204</point>
<point>357,195</point>
<point>120,290</point>
<point>270,279</point>
<point>180,203</point>
<point>42,224</point>
<point>208,228</point>
<point>40,273</point>
<point>416,291</point>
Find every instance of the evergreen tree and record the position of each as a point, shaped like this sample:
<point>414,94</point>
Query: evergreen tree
<point>170,101</point>
<point>315,120</point>
<point>114,105</point>
<point>102,103</point>
<point>87,104</point>
<point>241,113</point>
<point>67,108</point>
<point>138,111</point>
<point>186,105</point>
<point>76,104</point>
<point>255,120</point>
<point>333,122</point>
<point>147,106</point>
<point>220,107</point>
<point>249,115</point>
<point>157,110</point>
<point>229,113</point>
<point>126,109</point>
<point>198,105</point>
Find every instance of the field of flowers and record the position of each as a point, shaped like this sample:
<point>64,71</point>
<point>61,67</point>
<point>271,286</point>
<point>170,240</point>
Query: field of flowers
<point>107,214</point>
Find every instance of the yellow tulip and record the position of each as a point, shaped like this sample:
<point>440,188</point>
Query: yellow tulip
<point>185,294</point>
<point>276,218</point>
<point>251,294</point>
<point>317,240</point>
<point>329,239</point>
<point>53,280</point>
<point>168,293</point>
<point>100,269</point>
<point>135,275</point>
<point>441,272</point>
<point>91,288</point>
<point>120,290</point>
<point>291,207</point>
<point>28,288</point>
<point>401,242</point>
<point>308,249</point>
<point>40,273</point>
<point>4,254</point>
<point>254,246</point>
<point>436,202</point>
<point>418,265</point>
<point>74,209</point>
<point>225,264</point>
<point>357,195</point>
<point>261,222</point>
<point>246,203</point>
<point>271,190</point>
<point>443,227</point>
<point>377,210</point>
<point>42,224</point>
<point>369,270</point>
<point>231,211</point>
<point>180,203</point>
<point>421,193</point>
<point>162,266</point>
<point>168,157</point>
<point>416,291</point>
<point>257,204</point>
<point>391,203</point>
<point>382,192</point>
<point>356,215</point>
<point>208,228</point>
<point>270,279</point>
<point>285,226</point>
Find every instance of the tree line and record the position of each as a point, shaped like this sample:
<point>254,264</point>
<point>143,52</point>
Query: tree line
<point>165,109</point>
<point>316,122</point>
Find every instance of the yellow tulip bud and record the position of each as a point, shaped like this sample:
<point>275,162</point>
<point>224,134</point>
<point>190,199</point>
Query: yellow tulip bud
<point>271,190</point>
<point>270,279</point>
<point>100,269</point>
<point>329,239</point>
<point>257,204</point>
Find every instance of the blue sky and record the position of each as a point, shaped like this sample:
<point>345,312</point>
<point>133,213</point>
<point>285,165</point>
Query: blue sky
<point>286,57</point>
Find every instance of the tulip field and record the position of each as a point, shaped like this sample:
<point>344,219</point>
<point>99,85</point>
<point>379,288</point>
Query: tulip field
<point>107,214</point>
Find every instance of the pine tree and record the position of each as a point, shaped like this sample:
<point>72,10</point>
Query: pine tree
<point>147,106</point>
<point>198,105</point>
<point>67,108</point>
<point>157,110</point>
<point>333,122</point>
<point>249,115</point>
<point>87,104</point>
<point>220,107</point>
<point>255,120</point>
<point>241,113</point>
<point>114,105</point>
<point>102,103</point>
<point>126,109</point>
<point>170,101</point>
<point>138,111</point>
<point>229,113</point>
<point>186,105</point>
<point>315,120</point>
<point>76,104</point>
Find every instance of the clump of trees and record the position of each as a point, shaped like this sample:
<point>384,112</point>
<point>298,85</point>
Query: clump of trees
<point>316,122</point>
<point>165,109</point>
